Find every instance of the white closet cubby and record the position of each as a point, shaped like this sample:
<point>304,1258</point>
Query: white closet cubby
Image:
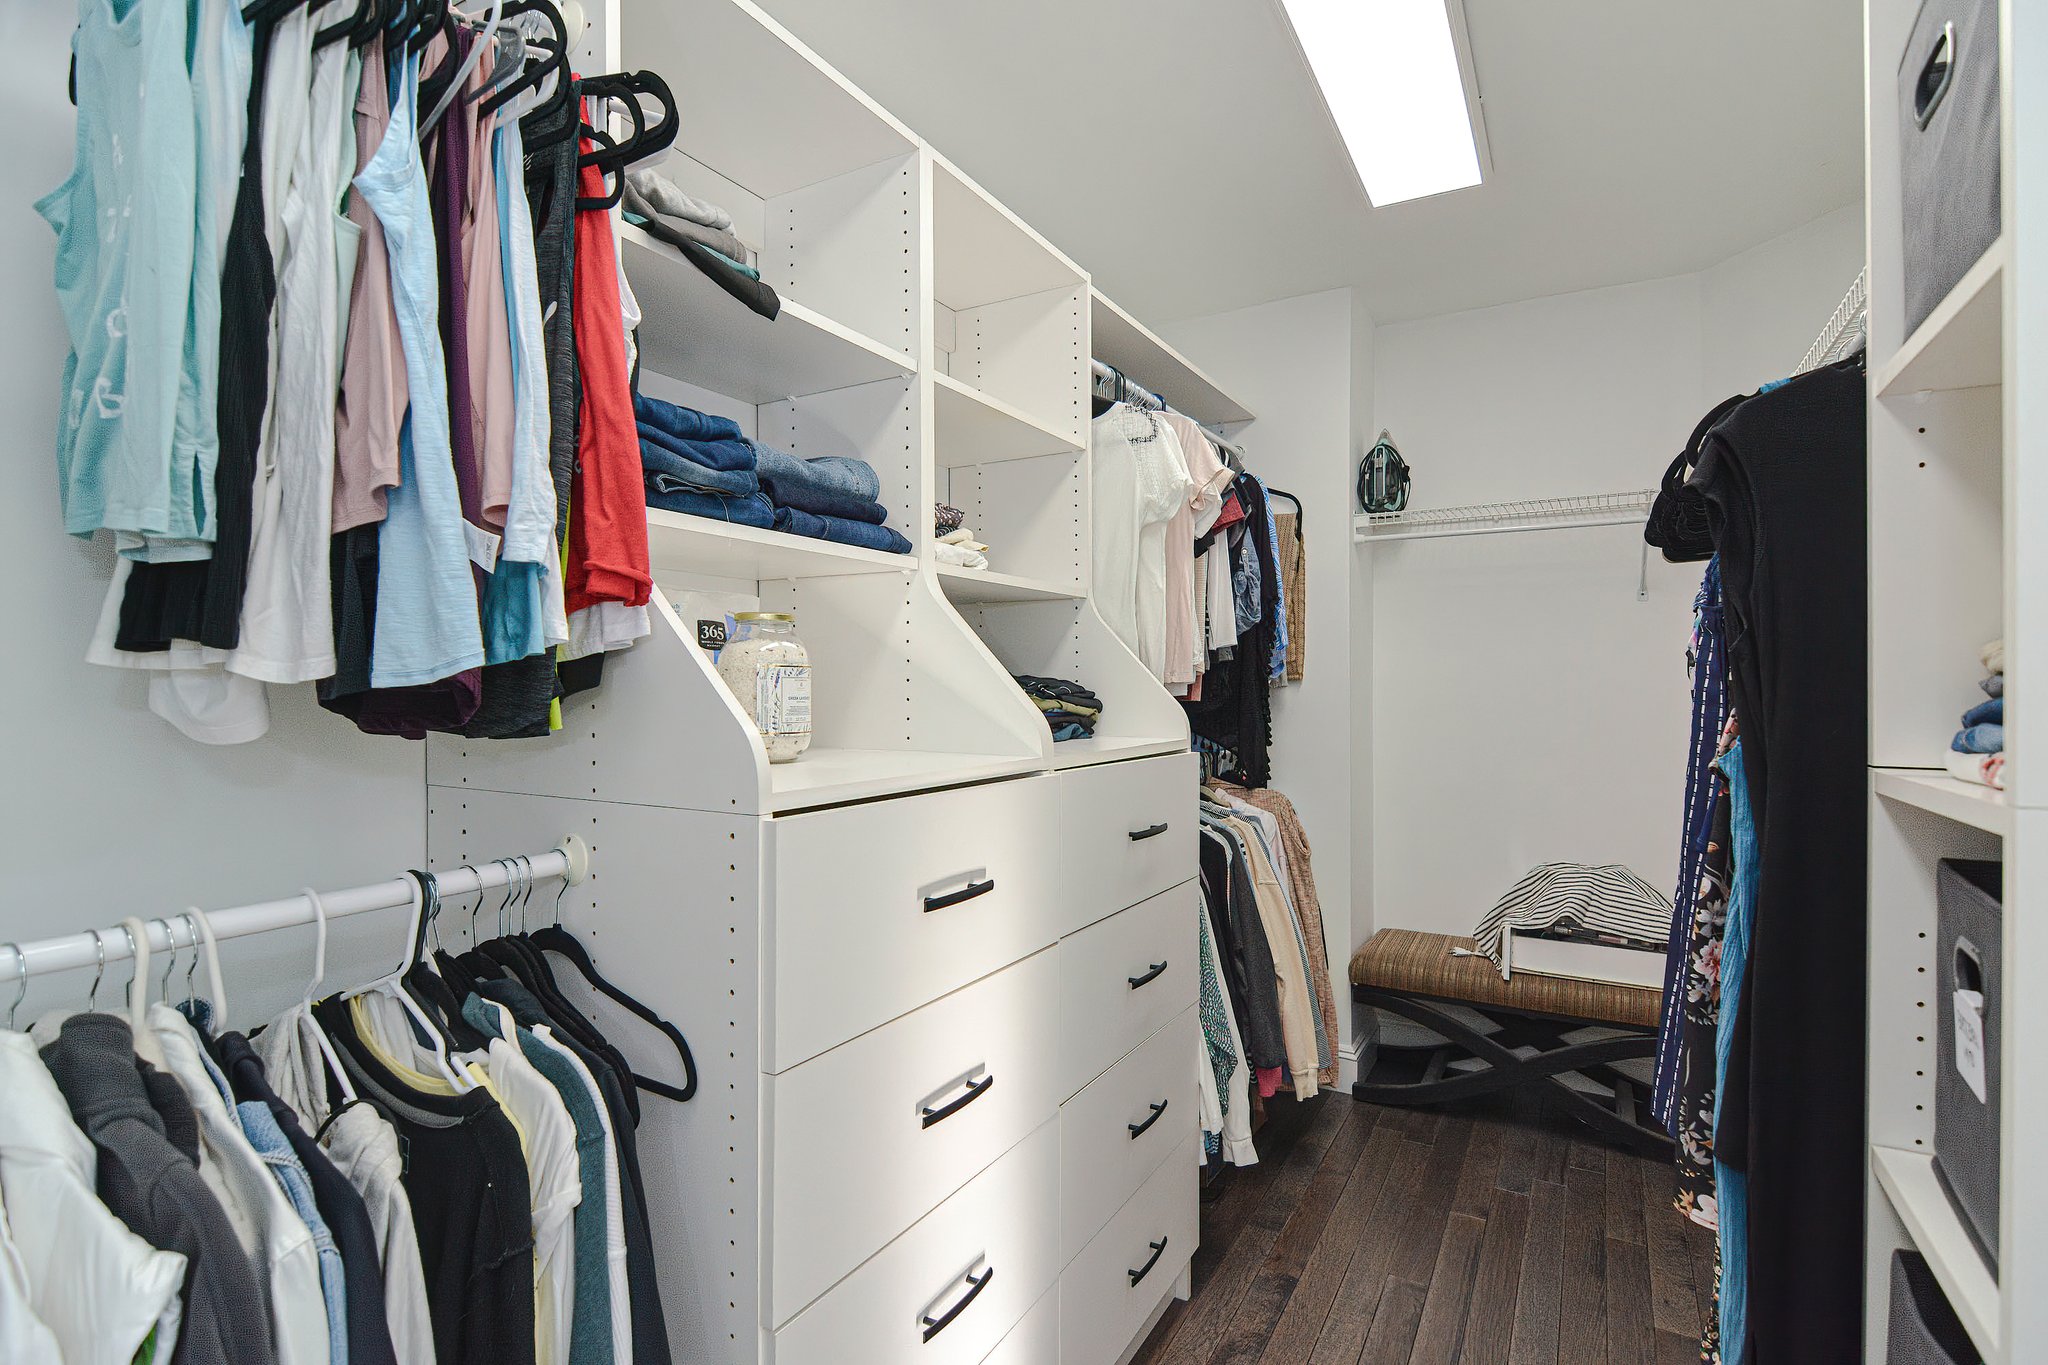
<point>869,931</point>
<point>1956,559</point>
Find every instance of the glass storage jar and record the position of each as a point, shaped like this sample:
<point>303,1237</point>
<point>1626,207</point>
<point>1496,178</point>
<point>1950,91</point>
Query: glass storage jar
<point>769,672</point>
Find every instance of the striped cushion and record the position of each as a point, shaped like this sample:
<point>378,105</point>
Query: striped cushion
<point>1416,963</point>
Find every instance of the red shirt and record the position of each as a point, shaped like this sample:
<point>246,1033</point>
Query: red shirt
<point>608,500</point>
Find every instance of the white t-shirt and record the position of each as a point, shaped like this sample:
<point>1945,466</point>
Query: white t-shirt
<point>1139,478</point>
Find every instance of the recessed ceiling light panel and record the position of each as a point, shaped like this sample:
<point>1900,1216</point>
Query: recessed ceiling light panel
<point>1395,79</point>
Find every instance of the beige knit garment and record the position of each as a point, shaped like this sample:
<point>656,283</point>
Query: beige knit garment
<point>1294,580</point>
<point>1302,881</point>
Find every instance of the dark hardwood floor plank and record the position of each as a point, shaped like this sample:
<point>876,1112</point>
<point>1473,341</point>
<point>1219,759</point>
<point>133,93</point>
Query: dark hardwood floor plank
<point>1629,1330</point>
<point>1674,1305</point>
<point>1418,1232</point>
<point>1673,1349</point>
<point>1316,1290</point>
<point>1393,1330</point>
<point>1441,1333</point>
<point>1272,1288</point>
<point>1199,1331</point>
<point>1625,1197</point>
<point>1490,1321</point>
<point>1353,1241</point>
<point>1352,1314</point>
<point>1582,1321</point>
<point>1476,1182</point>
<point>1538,1293</point>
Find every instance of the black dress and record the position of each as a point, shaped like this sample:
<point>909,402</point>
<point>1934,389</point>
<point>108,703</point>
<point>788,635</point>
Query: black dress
<point>1784,477</point>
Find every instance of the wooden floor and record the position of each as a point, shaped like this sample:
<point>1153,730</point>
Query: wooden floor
<point>1489,1234</point>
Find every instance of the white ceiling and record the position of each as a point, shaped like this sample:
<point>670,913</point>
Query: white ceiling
<point>1177,149</point>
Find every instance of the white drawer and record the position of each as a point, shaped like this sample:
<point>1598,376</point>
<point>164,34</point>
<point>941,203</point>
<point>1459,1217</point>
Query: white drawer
<point>1036,1340</point>
<point>1121,979</point>
<point>1114,1134</point>
<point>874,910</point>
<point>1002,1222</point>
<point>1108,1291</point>
<point>1127,831</point>
<point>875,1134</point>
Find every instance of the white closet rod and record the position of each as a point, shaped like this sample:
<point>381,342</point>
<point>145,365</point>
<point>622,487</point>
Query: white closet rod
<point>1431,533</point>
<point>569,860</point>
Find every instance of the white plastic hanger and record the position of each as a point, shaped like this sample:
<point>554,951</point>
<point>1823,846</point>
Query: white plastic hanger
<point>393,985</point>
<point>334,1067</point>
<point>214,984</point>
<point>462,73</point>
<point>138,983</point>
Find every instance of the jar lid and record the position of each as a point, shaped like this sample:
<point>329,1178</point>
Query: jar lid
<point>762,616</point>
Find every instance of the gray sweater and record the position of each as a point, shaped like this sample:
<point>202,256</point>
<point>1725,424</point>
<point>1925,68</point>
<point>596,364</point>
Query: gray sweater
<point>155,1188</point>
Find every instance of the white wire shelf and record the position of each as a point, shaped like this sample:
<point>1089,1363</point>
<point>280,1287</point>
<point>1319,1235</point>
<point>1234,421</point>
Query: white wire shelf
<point>1493,518</point>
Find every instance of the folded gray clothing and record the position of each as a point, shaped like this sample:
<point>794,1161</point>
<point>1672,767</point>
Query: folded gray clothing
<point>663,193</point>
<point>675,230</point>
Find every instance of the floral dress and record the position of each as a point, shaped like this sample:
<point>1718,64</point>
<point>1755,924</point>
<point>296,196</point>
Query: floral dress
<point>1702,1007</point>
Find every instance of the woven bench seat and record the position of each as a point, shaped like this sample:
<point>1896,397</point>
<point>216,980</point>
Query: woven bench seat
<point>1542,1031</point>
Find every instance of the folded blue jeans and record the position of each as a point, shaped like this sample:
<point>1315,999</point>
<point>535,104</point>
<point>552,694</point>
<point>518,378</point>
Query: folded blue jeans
<point>841,531</point>
<point>1979,739</point>
<point>783,474</point>
<point>830,502</point>
<point>1985,713</point>
<point>710,454</point>
<point>685,424</point>
<point>669,472</point>
<point>753,510</point>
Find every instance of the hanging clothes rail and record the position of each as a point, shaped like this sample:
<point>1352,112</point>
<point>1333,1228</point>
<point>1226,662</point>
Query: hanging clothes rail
<point>569,861</point>
<point>1538,514</point>
<point>1847,326</point>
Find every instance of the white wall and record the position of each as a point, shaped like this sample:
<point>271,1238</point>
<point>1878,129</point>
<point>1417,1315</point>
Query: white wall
<point>1526,706</point>
<point>108,812</point>
<point>1291,363</point>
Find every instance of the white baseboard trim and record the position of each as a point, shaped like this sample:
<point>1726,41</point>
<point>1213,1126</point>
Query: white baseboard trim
<point>1363,1044</point>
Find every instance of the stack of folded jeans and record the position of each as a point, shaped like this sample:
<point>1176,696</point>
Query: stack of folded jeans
<point>832,497</point>
<point>699,465</point>
<point>1983,729</point>
<point>1068,707</point>
<point>704,466</point>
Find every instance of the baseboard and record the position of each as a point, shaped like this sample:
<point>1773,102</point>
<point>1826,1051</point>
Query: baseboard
<point>1357,1056</point>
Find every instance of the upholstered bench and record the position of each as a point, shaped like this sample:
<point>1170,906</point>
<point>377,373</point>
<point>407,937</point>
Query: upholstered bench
<point>1561,1033</point>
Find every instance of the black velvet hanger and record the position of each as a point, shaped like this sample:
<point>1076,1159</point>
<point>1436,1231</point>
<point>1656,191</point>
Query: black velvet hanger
<point>555,939</point>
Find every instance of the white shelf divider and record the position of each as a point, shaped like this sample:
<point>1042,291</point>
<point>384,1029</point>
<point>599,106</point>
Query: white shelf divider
<point>680,545</point>
<point>694,331</point>
<point>974,428</point>
<point>1916,1194</point>
<point>827,777</point>
<point>1961,344</point>
<point>978,586</point>
<point>1121,340</point>
<point>1968,803</point>
<point>1081,753</point>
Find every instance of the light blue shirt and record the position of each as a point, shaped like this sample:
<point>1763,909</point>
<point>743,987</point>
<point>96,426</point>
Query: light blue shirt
<point>513,624</point>
<point>426,600</point>
<point>125,227</point>
<point>259,1125</point>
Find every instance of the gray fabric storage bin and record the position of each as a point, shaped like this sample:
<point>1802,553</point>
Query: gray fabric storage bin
<point>1949,160</point>
<point>1924,1329</point>
<point>1968,948</point>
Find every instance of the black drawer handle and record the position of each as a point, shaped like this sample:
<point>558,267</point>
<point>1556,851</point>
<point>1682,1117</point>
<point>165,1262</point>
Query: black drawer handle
<point>934,1326</point>
<point>975,1090</point>
<point>1149,832</point>
<point>965,893</point>
<point>1158,1250</point>
<point>1148,978</point>
<point>1138,1129</point>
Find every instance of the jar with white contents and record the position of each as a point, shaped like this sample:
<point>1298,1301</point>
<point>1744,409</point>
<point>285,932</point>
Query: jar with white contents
<point>769,672</point>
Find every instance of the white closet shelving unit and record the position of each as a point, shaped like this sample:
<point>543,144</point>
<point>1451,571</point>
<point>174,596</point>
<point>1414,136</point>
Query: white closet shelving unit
<point>916,966</point>
<point>1956,559</point>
